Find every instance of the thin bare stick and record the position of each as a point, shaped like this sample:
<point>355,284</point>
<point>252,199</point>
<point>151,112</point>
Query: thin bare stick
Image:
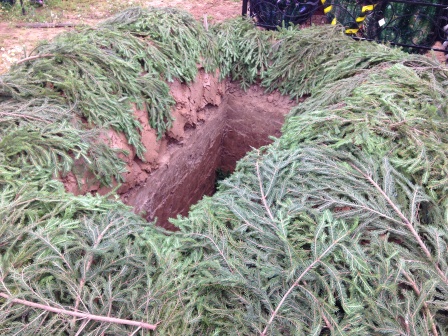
<point>135,331</point>
<point>425,305</point>
<point>23,60</point>
<point>100,318</point>
<point>47,25</point>
<point>205,22</point>
<point>84,324</point>
<point>406,222</point>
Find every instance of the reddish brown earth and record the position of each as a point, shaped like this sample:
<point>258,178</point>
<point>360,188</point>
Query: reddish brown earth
<point>216,124</point>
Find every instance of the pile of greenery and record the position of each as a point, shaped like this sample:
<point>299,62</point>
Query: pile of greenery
<point>337,228</point>
<point>70,88</point>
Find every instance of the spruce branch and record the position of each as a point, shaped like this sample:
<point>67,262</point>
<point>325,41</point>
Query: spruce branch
<point>23,116</point>
<point>218,249</point>
<point>252,256</point>
<point>425,305</point>
<point>300,277</point>
<point>88,316</point>
<point>89,264</point>
<point>406,221</point>
<point>263,196</point>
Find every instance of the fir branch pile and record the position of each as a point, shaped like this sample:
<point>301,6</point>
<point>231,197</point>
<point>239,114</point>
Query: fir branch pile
<point>337,228</point>
<point>87,81</point>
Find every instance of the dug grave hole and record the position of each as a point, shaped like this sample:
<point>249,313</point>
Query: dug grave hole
<point>216,124</point>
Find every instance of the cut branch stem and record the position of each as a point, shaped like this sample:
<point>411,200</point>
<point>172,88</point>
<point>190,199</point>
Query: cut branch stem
<point>23,60</point>
<point>88,316</point>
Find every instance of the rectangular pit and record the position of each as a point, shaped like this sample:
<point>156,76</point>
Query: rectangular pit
<point>242,121</point>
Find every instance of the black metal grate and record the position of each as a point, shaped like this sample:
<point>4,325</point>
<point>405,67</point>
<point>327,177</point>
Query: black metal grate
<point>414,25</point>
<point>273,13</point>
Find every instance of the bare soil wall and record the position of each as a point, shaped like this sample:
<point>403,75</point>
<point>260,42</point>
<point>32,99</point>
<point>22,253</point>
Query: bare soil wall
<point>252,116</point>
<point>216,124</point>
<point>186,172</point>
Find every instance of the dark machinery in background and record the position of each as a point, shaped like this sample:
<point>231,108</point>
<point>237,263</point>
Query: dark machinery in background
<point>414,25</point>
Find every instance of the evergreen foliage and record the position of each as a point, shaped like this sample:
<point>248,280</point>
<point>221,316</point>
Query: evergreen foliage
<point>40,134</point>
<point>325,55</point>
<point>330,227</point>
<point>398,112</point>
<point>337,228</point>
<point>300,62</point>
<point>181,41</point>
<point>96,75</point>
<point>78,251</point>
<point>98,71</point>
<point>245,51</point>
